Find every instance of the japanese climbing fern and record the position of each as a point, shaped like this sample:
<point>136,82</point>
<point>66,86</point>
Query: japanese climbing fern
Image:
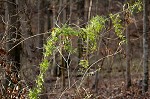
<point>91,31</point>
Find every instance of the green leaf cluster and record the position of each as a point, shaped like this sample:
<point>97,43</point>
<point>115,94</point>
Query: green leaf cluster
<point>136,7</point>
<point>116,20</point>
<point>44,66</point>
<point>49,47</point>
<point>84,63</point>
<point>91,32</point>
<point>64,31</point>
<point>33,94</point>
<point>68,31</point>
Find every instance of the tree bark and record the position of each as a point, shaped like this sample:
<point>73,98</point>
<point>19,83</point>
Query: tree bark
<point>64,12</point>
<point>41,23</point>
<point>128,50</point>
<point>145,45</point>
<point>12,35</point>
<point>80,21</point>
<point>12,29</point>
<point>128,59</point>
<point>49,15</point>
<point>29,56</point>
<point>70,10</point>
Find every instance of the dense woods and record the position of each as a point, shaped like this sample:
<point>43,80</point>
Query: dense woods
<point>74,49</point>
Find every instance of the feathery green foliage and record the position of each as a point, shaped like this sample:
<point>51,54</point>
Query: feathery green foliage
<point>49,47</point>
<point>91,31</point>
<point>116,20</point>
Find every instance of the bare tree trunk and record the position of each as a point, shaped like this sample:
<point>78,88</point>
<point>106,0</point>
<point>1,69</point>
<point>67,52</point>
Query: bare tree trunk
<point>97,67</point>
<point>87,13</point>
<point>40,25</point>
<point>60,13</point>
<point>63,67</point>
<point>128,50</point>
<point>128,59</point>
<point>12,35</point>
<point>70,11</point>
<point>145,45</point>
<point>64,11</point>
<point>29,58</point>
<point>80,21</point>
<point>49,15</point>
<point>54,13</point>
<point>54,66</point>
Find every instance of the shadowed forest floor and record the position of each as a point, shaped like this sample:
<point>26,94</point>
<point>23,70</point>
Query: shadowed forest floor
<point>113,88</point>
<point>111,85</point>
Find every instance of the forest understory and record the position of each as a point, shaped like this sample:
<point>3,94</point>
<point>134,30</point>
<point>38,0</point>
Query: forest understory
<point>74,49</point>
<point>111,86</point>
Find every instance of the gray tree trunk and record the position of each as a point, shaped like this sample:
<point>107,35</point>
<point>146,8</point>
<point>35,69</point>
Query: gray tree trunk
<point>70,10</point>
<point>63,70</point>
<point>41,24</point>
<point>145,46</point>
<point>80,21</point>
<point>128,59</point>
<point>128,50</point>
<point>49,15</point>
<point>29,58</point>
<point>64,12</point>
<point>12,33</point>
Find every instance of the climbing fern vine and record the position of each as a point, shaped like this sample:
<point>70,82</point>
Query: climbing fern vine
<point>89,34</point>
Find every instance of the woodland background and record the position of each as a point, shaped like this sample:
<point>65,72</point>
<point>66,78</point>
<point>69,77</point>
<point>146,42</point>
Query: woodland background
<point>25,26</point>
